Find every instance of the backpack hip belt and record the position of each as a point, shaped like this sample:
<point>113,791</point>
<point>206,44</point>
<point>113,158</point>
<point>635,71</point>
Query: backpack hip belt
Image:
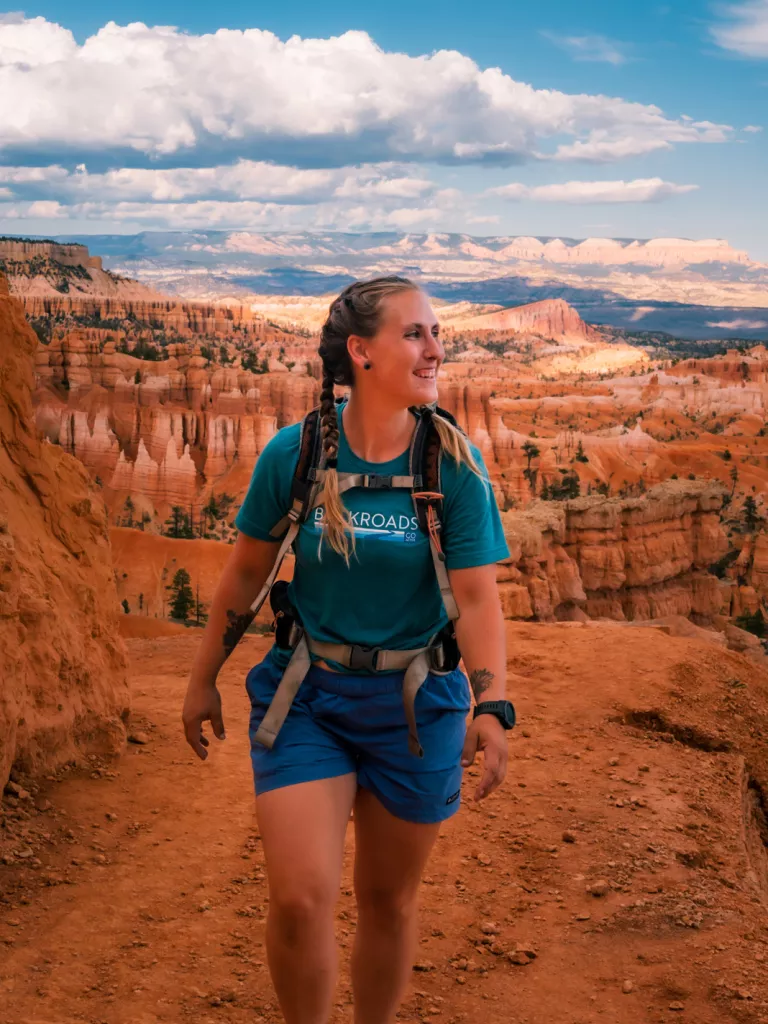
<point>423,480</point>
<point>418,663</point>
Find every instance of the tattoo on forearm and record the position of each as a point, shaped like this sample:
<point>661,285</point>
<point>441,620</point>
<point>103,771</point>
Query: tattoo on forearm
<point>480,680</point>
<point>236,626</point>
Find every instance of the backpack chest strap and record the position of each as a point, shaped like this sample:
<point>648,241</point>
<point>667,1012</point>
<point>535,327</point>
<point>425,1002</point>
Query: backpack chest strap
<point>371,481</point>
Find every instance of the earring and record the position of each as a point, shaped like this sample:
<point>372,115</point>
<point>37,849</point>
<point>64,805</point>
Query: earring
<point>366,366</point>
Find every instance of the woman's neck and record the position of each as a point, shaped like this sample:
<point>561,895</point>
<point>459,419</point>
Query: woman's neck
<point>375,431</point>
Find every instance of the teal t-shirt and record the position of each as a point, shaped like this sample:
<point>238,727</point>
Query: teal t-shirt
<point>388,597</point>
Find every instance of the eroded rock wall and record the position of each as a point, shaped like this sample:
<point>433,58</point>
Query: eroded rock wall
<point>63,687</point>
<point>618,558</point>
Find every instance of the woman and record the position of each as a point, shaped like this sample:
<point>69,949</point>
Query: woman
<point>344,743</point>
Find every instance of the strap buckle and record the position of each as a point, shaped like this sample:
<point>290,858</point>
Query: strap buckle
<point>363,657</point>
<point>378,482</point>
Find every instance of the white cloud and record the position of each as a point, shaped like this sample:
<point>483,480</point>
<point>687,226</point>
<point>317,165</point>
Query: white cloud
<point>213,213</point>
<point>746,31</point>
<point>739,324</point>
<point>245,179</point>
<point>752,128</point>
<point>165,93</point>
<point>590,47</point>
<point>641,190</point>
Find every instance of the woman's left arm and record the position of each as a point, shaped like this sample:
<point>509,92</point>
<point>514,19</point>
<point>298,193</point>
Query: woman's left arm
<point>482,641</point>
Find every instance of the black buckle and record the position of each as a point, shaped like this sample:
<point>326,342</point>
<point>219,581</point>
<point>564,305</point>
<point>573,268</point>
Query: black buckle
<point>363,657</point>
<point>377,482</point>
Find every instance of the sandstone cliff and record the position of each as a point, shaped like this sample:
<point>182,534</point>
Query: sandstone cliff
<point>52,269</point>
<point>550,318</point>
<point>627,559</point>
<point>62,663</point>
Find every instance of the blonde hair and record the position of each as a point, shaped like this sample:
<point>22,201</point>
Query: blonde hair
<point>357,310</point>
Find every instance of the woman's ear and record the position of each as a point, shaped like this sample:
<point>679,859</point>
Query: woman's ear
<point>357,349</point>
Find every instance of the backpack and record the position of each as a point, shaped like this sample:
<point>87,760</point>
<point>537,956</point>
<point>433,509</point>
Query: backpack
<point>424,482</point>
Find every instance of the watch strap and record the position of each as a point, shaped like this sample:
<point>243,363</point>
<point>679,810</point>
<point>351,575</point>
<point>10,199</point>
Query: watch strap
<point>497,708</point>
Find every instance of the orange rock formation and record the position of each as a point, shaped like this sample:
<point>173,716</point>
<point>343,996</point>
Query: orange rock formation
<point>62,663</point>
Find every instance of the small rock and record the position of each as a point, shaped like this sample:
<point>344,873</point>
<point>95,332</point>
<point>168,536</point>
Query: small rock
<point>519,958</point>
<point>485,861</point>
<point>43,805</point>
<point>600,888</point>
<point>489,928</point>
<point>138,737</point>
<point>569,837</point>
<point>627,987</point>
<point>110,816</point>
<point>677,1006</point>
<point>423,965</point>
<point>583,917</point>
<point>461,979</point>
<point>741,993</point>
<point>25,854</point>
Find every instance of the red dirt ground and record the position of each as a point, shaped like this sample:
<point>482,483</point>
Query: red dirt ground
<point>133,892</point>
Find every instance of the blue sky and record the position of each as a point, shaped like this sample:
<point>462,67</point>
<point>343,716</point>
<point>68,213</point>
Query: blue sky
<point>620,119</point>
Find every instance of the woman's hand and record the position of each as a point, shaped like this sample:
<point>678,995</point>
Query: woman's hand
<point>486,733</point>
<point>202,704</point>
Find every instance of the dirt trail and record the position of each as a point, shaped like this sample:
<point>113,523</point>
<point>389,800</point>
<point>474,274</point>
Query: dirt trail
<point>639,769</point>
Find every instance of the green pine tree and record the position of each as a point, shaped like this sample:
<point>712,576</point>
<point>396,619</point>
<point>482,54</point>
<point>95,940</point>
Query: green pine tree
<point>182,598</point>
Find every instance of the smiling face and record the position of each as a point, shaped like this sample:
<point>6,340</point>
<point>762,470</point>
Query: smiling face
<point>405,353</point>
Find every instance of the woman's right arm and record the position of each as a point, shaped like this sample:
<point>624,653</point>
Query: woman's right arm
<point>230,616</point>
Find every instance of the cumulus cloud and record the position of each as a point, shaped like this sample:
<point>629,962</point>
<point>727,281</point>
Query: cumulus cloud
<point>214,213</point>
<point>590,48</point>
<point>745,29</point>
<point>343,100</point>
<point>245,179</point>
<point>641,190</point>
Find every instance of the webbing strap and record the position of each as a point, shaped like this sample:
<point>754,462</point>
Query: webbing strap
<point>293,529</point>
<point>415,675</point>
<point>286,691</point>
<point>415,662</point>
<point>349,480</point>
<point>342,653</point>
<point>451,608</point>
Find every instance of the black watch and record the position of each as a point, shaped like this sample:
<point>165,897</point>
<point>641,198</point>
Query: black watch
<point>504,710</point>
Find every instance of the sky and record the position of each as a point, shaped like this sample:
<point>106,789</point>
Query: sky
<point>629,120</point>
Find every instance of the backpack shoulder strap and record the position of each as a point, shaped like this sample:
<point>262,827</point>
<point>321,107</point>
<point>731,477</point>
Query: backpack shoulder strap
<point>303,487</point>
<point>305,474</point>
<point>425,466</point>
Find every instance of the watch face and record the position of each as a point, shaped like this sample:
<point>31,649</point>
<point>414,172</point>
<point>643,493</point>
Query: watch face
<point>509,713</point>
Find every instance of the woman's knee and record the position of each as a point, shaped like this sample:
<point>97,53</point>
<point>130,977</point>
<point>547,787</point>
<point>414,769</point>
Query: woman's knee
<point>395,906</point>
<point>300,910</point>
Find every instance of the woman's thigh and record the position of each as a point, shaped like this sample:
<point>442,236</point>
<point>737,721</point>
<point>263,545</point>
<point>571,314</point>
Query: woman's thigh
<point>302,830</point>
<point>390,855</point>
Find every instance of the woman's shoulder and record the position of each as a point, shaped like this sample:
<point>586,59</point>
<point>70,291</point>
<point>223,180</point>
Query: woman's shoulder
<point>453,473</point>
<point>285,442</point>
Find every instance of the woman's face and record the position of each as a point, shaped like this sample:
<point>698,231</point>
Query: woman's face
<point>405,353</point>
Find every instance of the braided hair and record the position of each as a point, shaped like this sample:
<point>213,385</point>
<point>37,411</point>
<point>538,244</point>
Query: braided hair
<point>357,310</point>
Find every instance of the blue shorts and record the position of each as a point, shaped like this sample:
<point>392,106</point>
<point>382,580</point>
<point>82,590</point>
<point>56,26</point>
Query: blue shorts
<point>342,723</point>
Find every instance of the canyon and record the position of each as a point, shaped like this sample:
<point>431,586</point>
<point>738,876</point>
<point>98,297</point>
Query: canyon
<point>621,476</point>
<point>693,288</point>
<point>621,866</point>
